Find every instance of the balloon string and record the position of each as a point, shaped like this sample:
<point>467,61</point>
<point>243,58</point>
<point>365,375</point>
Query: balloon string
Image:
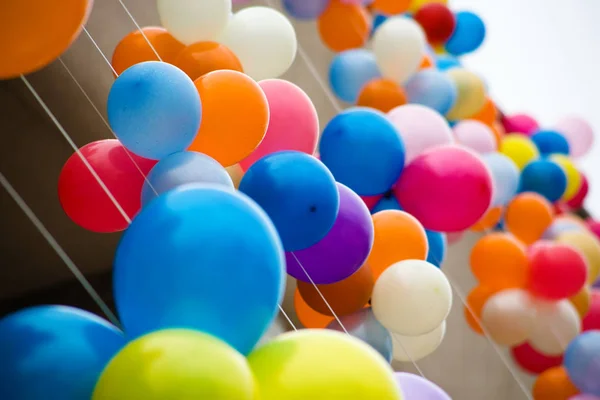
<point>287,317</point>
<point>140,29</point>
<point>100,51</point>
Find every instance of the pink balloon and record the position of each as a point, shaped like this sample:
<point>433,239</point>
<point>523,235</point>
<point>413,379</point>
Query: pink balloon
<point>594,226</point>
<point>592,319</point>
<point>578,133</point>
<point>447,188</point>
<point>476,136</point>
<point>293,121</point>
<point>421,128</point>
<point>584,397</point>
<point>520,123</point>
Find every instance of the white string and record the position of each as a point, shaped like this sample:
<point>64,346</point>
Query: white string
<point>288,318</point>
<point>100,51</point>
<point>140,29</point>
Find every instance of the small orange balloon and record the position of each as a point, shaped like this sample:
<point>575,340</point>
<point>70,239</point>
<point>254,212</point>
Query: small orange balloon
<point>554,384</point>
<point>499,261</point>
<point>381,94</point>
<point>398,236</point>
<point>475,302</point>
<point>528,216</point>
<point>488,114</point>
<point>203,57</point>
<point>489,220</point>
<point>426,62</point>
<point>391,7</point>
<point>344,26</point>
<point>134,49</point>
<point>582,301</point>
<point>308,317</point>
<point>235,116</point>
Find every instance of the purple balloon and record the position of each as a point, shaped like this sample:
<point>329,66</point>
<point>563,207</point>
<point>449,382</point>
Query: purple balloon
<point>305,9</point>
<point>417,387</point>
<point>343,250</point>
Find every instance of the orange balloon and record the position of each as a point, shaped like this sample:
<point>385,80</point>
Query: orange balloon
<point>426,62</point>
<point>582,301</point>
<point>33,33</point>
<point>381,94</point>
<point>528,216</point>
<point>489,220</point>
<point>391,7</point>
<point>554,384</point>
<point>344,297</point>
<point>203,57</point>
<point>398,236</point>
<point>344,26</point>
<point>475,302</point>
<point>488,114</point>
<point>499,261</point>
<point>308,317</point>
<point>134,49</point>
<point>235,116</point>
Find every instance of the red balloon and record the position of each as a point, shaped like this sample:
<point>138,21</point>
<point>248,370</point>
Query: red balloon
<point>371,201</point>
<point>437,21</point>
<point>83,198</point>
<point>592,319</point>
<point>577,202</point>
<point>556,271</point>
<point>533,361</point>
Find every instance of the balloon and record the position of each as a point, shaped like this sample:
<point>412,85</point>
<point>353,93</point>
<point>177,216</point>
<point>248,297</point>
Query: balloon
<point>398,236</point>
<point>415,348</point>
<point>550,142</point>
<point>399,45</point>
<point>305,9</point>
<point>363,151</point>
<point>505,177</point>
<point>415,5</point>
<point>528,216</point>
<point>433,89</point>
<point>308,317</point>
<point>416,387</point>
<point>556,324</point>
<point>519,149</point>
<point>476,136</point>
<point>35,33</point>
<point>364,326</point>
<point>592,319</point>
<point>583,397</point>
<point>468,35</point>
<point>574,179</point>
<point>236,116</point>
<point>509,317</point>
<point>437,248</point>
<point>134,48</point>
<point>471,94</point>
<point>447,62</point>
<point>54,353</point>
<point>421,129</point>
<point>412,298</point>
<point>298,193</point>
<point>561,224</point>
<point>193,21</point>
<point>475,302</point>
<point>173,363</point>
<point>489,220</point>
<point>386,202</point>
<point>438,22</point>
<point>588,245</point>
<point>532,361</point>
<point>544,177</point>
<point>554,384</point>
<point>264,41</point>
<point>391,7</point>
<point>350,70</point>
<point>200,58</point>
<point>344,26</point>
<point>576,201</point>
<point>154,109</point>
<point>520,123</point>
<point>594,227</point>
<point>381,94</point>
<point>352,368</point>
<point>582,302</point>
<point>488,114</point>
<point>180,253</point>
<point>581,362</point>
<point>579,134</point>
<point>458,193</point>
<point>90,200</point>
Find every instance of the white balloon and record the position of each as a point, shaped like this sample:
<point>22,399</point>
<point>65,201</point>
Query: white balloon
<point>415,348</point>
<point>399,45</point>
<point>191,21</point>
<point>264,41</point>
<point>508,316</point>
<point>555,326</point>
<point>411,298</point>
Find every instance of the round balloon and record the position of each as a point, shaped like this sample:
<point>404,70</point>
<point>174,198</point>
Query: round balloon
<point>433,89</point>
<point>509,317</point>
<point>415,348</point>
<point>438,244</point>
<point>505,177</point>
<point>545,177</point>
<point>579,134</point>
<point>471,94</point>
<point>554,384</point>
<point>582,362</point>
<point>391,7</point>
<point>344,26</point>
<point>350,70</point>
<point>468,35</point>
<point>305,9</point>
<point>528,216</point>
<point>438,22</point>
<point>381,94</point>
<point>200,58</point>
<point>417,387</point>
<point>556,325</point>
<point>588,245</point>
<point>550,142</point>
<point>193,21</point>
<point>475,135</point>
<point>520,123</point>
<point>532,361</point>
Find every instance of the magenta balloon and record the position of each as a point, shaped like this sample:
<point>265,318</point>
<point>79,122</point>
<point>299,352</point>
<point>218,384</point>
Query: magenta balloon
<point>343,250</point>
<point>417,387</point>
<point>447,188</point>
<point>520,123</point>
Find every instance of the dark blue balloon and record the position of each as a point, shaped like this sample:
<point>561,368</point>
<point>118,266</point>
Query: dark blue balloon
<point>305,9</point>
<point>363,150</point>
<point>54,353</point>
<point>433,89</point>
<point>298,193</point>
<point>200,257</point>
<point>437,247</point>
<point>350,70</point>
<point>468,35</point>
<point>444,63</point>
<point>544,177</point>
<point>582,361</point>
<point>387,202</point>
<point>550,142</point>
<point>378,20</point>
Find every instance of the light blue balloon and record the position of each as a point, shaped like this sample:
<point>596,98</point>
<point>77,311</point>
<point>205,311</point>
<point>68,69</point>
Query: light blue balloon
<point>154,109</point>
<point>387,202</point>
<point>582,361</point>
<point>350,70</point>
<point>305,9</point>
<point>438,244</point>
<point>445,62</point>
<point>200,257</point>
<point>54,353</point>
<point>505,176</point>
<point>560,226</point>
<point>468,35</point>
<point>433,89</point>
<point>182,168</point>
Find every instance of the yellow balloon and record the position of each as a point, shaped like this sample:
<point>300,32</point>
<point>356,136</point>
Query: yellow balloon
<point>581,301</point>
<point>588,245</point>
<point>415,5</point>
<point>574,179</point>
<point>319,364</point>
<point>470,97</point>
<point>519,148</point>
<point>236,173</point>
<point>176,364</point>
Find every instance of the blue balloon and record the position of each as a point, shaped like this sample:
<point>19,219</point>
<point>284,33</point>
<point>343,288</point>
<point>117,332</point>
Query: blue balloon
<point>582,361</point>
<point>445,62</point>
<point>200,257</point>
<point>350,70</point>
<point>544,177</point>
<point>363,150</point>
<point>387,202</point>
<point>550,142</point>
<point>437,247</point>
<point>505,176</point>
<point>54,353</point>
<point>298,193</point>
<point>305,9</point>
<point>433,89</point>
<point>468,35</point>
<point>154,109</point>
<point>378,20</point>
<point>182,168</point>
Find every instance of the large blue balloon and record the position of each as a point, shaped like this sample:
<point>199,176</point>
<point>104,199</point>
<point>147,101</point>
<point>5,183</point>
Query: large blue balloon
<point>468,35</point>
<point>505,176</point>
<point>433,89</point>
<point>582,361</point>
<point>387,202</point>
<point>298,193</point>
<point>437,247</point>
<point>200,257</point>
<point>550,142</point>
<point>154,109</point>
<point>544,177</point>
<point>54,353</point>
<point>363,150</point>
<point>305,9</point>
<point>350,70</point>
